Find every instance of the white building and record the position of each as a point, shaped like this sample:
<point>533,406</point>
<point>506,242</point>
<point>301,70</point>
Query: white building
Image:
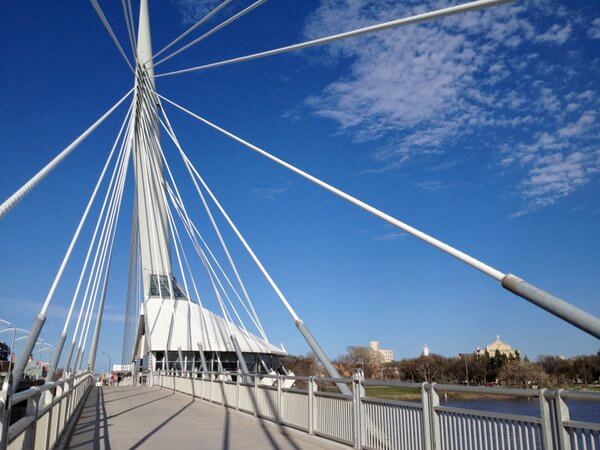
<point>387,355</point>
<point>425,351</point>
<point>502,347</point>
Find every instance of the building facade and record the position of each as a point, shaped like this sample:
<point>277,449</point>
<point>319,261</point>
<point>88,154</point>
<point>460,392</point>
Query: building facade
<point>500,346</point>
<point>386,355</point>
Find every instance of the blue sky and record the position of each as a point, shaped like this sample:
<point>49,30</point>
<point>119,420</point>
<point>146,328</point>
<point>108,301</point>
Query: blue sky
<point>481,129</point>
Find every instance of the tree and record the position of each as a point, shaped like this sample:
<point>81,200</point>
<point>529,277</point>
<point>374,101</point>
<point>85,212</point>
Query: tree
<point>364,358</point>
<point>523,374</point>
<point>306,366</point>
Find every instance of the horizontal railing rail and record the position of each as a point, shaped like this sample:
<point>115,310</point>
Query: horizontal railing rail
<point>368,422</point>
<point>48,411</point>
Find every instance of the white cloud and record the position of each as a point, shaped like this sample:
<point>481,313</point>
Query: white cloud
<point>578,127</point>
<point>421,89</point>
<point>193,10</point>
<point>556,34</point>
<point>391,236</point>
<point>594,30</point>
<point>272,193</point>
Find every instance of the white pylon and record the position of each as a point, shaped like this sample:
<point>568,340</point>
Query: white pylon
<point>152,215</point>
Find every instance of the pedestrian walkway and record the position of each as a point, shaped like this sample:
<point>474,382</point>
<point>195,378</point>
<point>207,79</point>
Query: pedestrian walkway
<point>154,418</point>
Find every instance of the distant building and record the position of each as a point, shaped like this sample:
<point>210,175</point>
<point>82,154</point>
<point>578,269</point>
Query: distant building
<point>425,351</point>
<point>502,347</point>
<point>387,355</point>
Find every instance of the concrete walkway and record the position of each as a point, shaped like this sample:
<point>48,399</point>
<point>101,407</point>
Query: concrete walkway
<point>154,418</point>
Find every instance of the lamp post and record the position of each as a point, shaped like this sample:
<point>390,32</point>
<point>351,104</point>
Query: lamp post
<point>12,345</point>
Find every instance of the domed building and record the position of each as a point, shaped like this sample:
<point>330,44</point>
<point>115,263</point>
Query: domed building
<point>498,345</point>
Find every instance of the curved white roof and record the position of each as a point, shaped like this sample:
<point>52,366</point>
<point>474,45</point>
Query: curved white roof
<point>173,324</point>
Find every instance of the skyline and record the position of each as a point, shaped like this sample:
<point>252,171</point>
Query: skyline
<point>406,154</point>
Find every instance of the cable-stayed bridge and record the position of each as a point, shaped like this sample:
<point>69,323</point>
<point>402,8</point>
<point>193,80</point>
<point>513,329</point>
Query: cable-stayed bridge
<point>177,346</point>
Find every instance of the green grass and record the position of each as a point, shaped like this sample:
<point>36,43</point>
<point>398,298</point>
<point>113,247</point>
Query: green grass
<point>393,392</point>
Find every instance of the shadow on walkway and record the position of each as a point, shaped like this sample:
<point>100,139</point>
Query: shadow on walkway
<point>91,430</point>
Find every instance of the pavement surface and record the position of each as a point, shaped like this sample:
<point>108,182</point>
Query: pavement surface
<point>131,417</point>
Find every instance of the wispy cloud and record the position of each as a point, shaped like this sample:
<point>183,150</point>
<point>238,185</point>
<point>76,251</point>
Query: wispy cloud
<point>594,30</point>
<point>272,193</point>
<point>391,236</point>
<point>556,34</point>
<point>430,185</point>
<point>193,10</point>
<point>419,90</point>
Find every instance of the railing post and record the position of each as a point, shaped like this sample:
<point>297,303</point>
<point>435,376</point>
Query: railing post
<point>48,399</point>
<point>562,416</point>
<point>237,392</point>
<point>311,404</point>
<point>5,388</point>
<point>255,395</point>
<point>432,436</point>
<point>279,412</point>
<point>31,410</point>
<point>547,440</point>
<point>358,392</point>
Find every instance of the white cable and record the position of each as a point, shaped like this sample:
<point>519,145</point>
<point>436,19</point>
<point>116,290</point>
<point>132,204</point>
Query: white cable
<point>104,21</point>
<point>108,243</point>
<point>213,277</point>
<point>173,137</point>
<point>253,316</point>
<point>90,202</point>
<point>223,24</point>
<point>370,29</point>
<point>461,256</point>
<point>152,147</point>
<point>109,239</point>
<point>130,27</point>
<point>27,187</point>
<point>179,201</point>
<point>190,29</point>
<point>113,180</point>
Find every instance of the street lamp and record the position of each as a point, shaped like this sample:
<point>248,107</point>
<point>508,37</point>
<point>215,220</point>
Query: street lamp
<point>12,346</point>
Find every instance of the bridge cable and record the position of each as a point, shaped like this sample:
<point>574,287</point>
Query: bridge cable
<point>253,316</point>
<point>127,15</point>
<point>63,335</point>
<point>190,29</point>
<point>110,31</point>
<point>557,306</point>
<point>488,270</point>
<point>113,179</point>
<point>21,363</point>
<point>143,144</point>
<point>192,230</point>
<point>106,241</point>
<point>153,146</point>
<point>223,24</point>
<point>360,31</point>
<point>332,371</point>
<point>34,181</point>
<point>173,137</point>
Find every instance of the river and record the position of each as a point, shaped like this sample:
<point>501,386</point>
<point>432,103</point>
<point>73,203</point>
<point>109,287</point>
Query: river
<point>587,411</point>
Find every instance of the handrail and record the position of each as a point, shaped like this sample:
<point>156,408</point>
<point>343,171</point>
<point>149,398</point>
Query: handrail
<point>41,405</point>
<point>369,422</point>
<point>514,392</point>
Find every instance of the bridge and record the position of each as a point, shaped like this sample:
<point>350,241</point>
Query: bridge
<point>208,380</point>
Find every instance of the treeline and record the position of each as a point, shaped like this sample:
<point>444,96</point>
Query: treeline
<point>485,369</point>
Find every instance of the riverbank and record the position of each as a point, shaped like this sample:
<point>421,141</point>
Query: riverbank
<point>410,394</point>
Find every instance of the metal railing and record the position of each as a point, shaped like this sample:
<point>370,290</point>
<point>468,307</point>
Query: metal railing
<point>48,411</point>
<point>379,423</point>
